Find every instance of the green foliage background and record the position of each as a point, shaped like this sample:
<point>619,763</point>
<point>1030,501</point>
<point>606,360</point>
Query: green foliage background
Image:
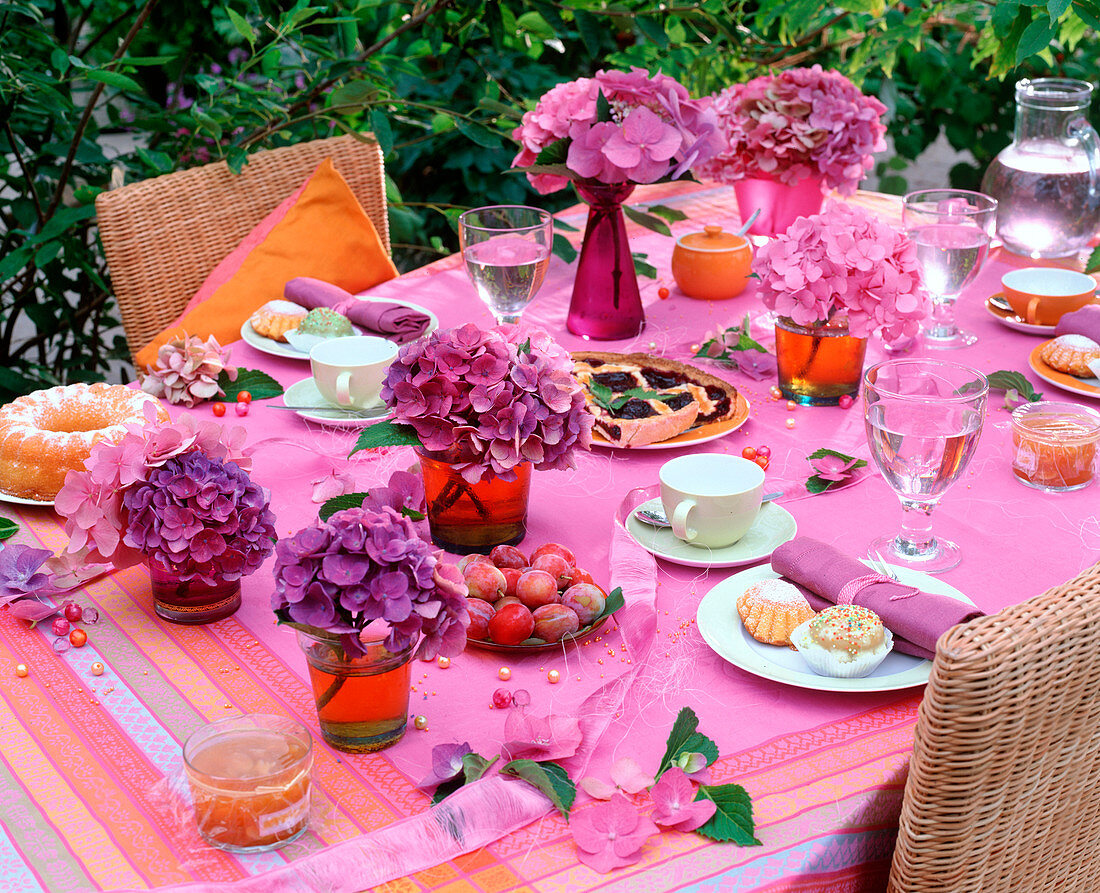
<point>441,83</point>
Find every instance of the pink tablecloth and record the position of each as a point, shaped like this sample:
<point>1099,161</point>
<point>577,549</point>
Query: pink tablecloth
<point>83,759</point>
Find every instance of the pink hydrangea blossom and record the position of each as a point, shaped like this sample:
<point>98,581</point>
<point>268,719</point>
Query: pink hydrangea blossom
<point>611,835</point>
<point>674,803</point>
<point>832,468</point>
<point>656,130</point>
<point>844,261</point>
<point>799,123</point>
<point>187,370</point>
<point>626,776</point>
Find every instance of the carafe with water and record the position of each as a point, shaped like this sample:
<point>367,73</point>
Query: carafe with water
<point>1047,180</point>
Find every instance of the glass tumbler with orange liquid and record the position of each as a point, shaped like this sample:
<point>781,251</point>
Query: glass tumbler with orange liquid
<point>250,781</point>
<point>1054,445</point>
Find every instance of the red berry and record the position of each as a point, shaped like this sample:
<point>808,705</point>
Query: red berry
<point>242,409</point>
<point>764,451</point>
<point>748,453</point>
<point>502,698</point>
<point>845,401</point>
<point>218,409</point>
<point>763,462</point>
<point>78,638</point>
<point>60,627</point>
<point>244,397</point>
<point>662,293</point>
<point>73,612</point>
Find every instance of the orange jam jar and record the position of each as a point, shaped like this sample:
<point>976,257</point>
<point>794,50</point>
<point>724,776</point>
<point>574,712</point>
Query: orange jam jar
<point>250,779</point>
<point>1054,445</point>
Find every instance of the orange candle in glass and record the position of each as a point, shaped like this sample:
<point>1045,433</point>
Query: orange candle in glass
<point>1054,445</point>
<point>250,781</point>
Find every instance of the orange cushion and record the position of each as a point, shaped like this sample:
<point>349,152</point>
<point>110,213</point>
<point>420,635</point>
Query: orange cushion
<point>320,231</point>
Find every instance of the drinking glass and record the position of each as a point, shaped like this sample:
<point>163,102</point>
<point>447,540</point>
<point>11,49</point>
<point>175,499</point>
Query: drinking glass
<point>952,229</point>
<point>507,251</point>
<point>923,421</point>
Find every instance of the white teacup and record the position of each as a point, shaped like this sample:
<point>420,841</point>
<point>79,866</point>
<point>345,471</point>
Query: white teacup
<point>349,371</point>
<point>712,499</point>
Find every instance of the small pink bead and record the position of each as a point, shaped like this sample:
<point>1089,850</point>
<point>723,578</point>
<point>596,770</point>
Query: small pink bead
<point>845,401</point>
<point>242,408</point>
<point>790,423</point>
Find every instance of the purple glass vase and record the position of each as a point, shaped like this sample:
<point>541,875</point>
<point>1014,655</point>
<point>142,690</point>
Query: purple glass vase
<point>606,304</point>
<point>780,205</point>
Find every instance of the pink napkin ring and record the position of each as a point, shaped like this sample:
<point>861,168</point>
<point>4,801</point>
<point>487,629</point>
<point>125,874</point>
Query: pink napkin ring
<point>852,588</point>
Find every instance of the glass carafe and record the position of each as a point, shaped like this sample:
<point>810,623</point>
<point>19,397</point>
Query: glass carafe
<point>1047,180</point>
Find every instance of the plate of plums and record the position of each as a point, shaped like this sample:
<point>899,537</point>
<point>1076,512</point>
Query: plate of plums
<point>522,604</point>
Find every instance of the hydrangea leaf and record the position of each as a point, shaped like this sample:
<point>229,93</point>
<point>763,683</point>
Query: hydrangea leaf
<point>339,503</point>
<point>549,778</point>
<point>259,384</point>
<point>684,738</point>
<point>732,820</point>
<point>1007,379</point>
<point>7,528</point>
<point>387,433</point>
<point>474,766</point>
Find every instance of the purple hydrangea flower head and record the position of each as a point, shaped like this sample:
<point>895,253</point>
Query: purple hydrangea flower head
<point>19,575</point>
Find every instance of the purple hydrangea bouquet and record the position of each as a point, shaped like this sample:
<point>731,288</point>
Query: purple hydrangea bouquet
<point>178,497</point>
<point>804,128</point>
<point>606,134</point>
<point>484,406</point>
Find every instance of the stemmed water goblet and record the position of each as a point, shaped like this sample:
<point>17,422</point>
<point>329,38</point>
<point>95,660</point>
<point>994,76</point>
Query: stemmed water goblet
<point>923,420</point>
<point>952,229</point>
<point>507,250</point>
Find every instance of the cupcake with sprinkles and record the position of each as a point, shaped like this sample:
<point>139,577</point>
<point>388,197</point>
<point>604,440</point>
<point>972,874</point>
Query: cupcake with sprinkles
<point>844,641</point>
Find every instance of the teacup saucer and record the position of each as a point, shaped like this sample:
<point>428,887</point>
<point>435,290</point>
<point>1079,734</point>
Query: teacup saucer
<point>773,527</point>
<point>305,393</point>
<point>998,307</point>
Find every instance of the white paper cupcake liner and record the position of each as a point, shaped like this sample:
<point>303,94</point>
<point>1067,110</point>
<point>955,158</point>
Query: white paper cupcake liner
<point>828,663</point>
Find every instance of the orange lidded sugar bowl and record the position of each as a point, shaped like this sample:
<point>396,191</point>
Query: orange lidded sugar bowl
<point>1054,445</point>
<point>712,265</point>
<point>250,781</point>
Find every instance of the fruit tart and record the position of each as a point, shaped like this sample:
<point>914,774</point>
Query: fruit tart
<point>638,399</point>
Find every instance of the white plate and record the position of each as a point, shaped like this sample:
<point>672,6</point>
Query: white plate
<point>1001,310</point>
<point>19,500</point>
<point>773,527</point>
<point>1087,387</point>
<point>305,393</point>
<point>722,629</point>
<point>280,349</point>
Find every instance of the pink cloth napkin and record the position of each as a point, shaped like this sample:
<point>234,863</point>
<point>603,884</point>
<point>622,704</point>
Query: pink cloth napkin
<point>1085,321</point>
<point>388,320</point>
<point>917,619</point>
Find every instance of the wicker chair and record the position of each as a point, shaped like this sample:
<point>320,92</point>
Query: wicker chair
<point>163,236</point>
<point>1003,791</point>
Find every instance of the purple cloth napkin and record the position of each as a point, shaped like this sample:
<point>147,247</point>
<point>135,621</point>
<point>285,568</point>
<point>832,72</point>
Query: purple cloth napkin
<point>383,318</point>
<point>916,621</point>
<point>1085,321</point>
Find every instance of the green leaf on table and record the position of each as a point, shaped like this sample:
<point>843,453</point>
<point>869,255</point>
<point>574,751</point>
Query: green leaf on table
<point>613,603</point>
<point>672,215</point>
<point>818,484</point>
<point>732,820</point>
<point>643,267</point>
<point>684,738</point>
<point>7,528</point>
<point>474,765</point>
<point>446,788</point>
<point>649,221</point>
<point>386,433</point>
<point>1007,379</point>
<point>338,503</point>
<point>549,778</point>
<point>259,384</point>
<point>563,248</point>
<point>565,227</point>
<point>1093,263</point>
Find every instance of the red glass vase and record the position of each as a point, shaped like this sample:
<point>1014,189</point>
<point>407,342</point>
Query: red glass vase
<point>606,304</point>
<point>465,517</point>
<point>780,205</point>
<point>191,601</point>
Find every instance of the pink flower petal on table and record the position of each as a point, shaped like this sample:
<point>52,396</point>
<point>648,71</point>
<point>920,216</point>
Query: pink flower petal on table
<point>610,835</point>
<point>599,790</point>
<point>32,610</point>
<point>541,738</point>
<point>629,777</point>
<point>335,483</point>
<point>674,803</point>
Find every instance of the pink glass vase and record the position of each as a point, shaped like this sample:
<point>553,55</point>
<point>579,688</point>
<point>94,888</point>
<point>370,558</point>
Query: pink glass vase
<point>606,304</point>
<point>780,205</point>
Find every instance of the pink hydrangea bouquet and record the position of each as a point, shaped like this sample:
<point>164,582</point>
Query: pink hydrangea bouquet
<point>616,127</point>
<point>490,399</point>
<point>372,565</point>
<point>844,260</point>
<point>799,123</point>
<point>175,493</point>
<point>187,370</point>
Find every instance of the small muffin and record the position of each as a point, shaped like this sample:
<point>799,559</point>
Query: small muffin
<point>771,609</point>
<point>276,318</point>
<point>845,641</point>
<point>325,323</point>
<point>1071,354</point>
